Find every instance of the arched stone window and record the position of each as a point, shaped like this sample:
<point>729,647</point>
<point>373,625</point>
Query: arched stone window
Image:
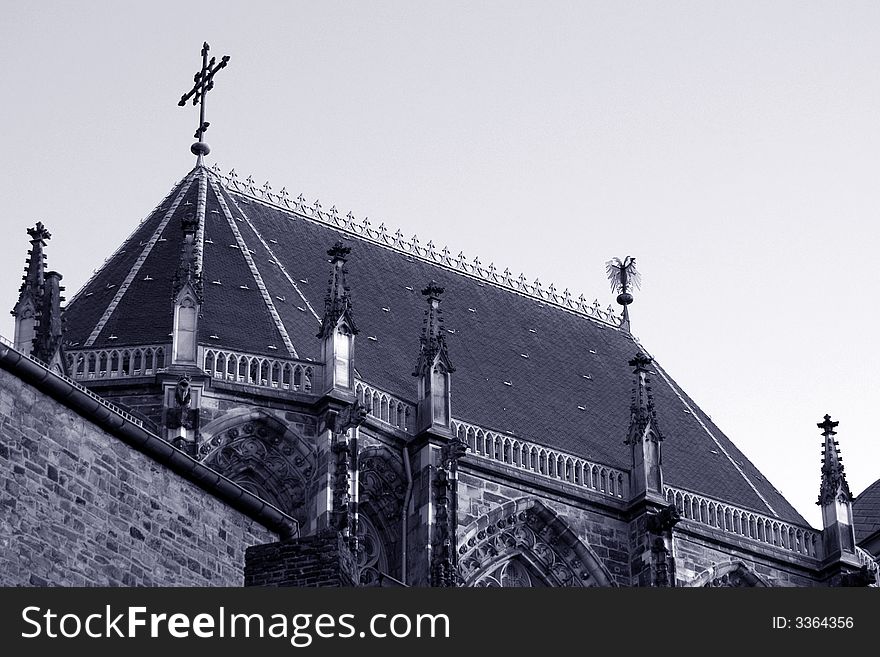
<point>372,560</point>
<point>342,357</point>
<point>261,454</point>
<point>513,573</point>
<point>524,541</point>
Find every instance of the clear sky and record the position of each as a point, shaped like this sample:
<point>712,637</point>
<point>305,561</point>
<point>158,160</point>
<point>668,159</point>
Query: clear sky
<point>732,147</point>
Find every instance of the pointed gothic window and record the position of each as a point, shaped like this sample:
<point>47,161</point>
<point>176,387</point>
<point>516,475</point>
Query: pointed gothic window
<point>439,390</point>
<point>342,357</point>
<point>185,331</point>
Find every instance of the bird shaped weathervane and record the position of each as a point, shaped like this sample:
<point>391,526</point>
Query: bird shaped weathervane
<point>623,277</point>
<point>204,82</point>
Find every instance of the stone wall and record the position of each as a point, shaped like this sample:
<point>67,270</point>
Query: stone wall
<point>695,554</point>
<point>78,507</point>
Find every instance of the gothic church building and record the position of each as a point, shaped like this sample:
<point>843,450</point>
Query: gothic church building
<point>253,389</point>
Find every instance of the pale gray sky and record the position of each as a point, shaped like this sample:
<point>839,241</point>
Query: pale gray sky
<point>732,147</point>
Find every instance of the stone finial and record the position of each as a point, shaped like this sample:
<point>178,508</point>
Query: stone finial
<point>433,340</point>
<point>337,302</point>
<point>642,412</point>
<point>834,487</point>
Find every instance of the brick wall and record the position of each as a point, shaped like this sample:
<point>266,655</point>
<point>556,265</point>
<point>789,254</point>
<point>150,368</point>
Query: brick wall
<point>322,560</point>
<point>78,507</point>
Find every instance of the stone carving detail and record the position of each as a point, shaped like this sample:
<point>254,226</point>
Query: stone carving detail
<point>382,483</point>
<point>510,574</point>
<point>728,575</point>
<point>526,532</point>
<point>443,567</point>
<point>345,451</point>
<point>371,557</point>
<point>266,460</point>
<point>183,416</point>
<point>664,520</point>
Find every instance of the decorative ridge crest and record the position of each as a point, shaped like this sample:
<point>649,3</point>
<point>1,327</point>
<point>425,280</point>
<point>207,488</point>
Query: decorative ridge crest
<point>413,248</point>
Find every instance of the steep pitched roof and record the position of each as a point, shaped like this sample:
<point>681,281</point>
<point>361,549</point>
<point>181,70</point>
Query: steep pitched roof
<point>866,512</point>
<point>531,362</point>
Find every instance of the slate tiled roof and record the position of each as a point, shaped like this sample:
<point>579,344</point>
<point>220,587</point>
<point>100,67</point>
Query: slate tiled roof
<point>524,366</point>
<point>866,512</point>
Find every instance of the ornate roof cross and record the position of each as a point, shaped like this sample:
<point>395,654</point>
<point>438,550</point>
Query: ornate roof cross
<point>204,82</point>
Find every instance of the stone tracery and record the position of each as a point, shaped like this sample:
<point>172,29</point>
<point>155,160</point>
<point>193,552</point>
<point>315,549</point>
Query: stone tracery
<point>262,455</point>
<point>542,547</point>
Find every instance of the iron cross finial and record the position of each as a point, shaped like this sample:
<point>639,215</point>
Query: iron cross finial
<point>204,82</point>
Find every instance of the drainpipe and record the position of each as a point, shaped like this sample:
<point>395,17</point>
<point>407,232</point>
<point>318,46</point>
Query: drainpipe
<point>404,528</point>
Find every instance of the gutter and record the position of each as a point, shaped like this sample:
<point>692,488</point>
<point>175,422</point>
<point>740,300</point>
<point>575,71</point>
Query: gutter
<point>127,429</point>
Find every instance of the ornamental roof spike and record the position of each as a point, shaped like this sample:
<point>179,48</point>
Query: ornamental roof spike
<point>365,224</point>
<point>215,168</point>
<point>521,280</point>
<point>643,414</point>
<point>301,199</point>
<point>414,244</point>
<point>317,205</point>
<point>333,211</point>
<point>834,487</point>
<point>267,188</point>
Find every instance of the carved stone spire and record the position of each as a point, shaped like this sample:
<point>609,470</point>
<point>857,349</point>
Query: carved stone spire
<point>337,302</point>
<point>833,487</point>
<point>433,341</point>
<point>337,326</point>
<point>433,367</point>
<point>644,432</point>
<point>643,416</point>
<point>187,284</point>
<point>835,499</point>
<point>186,265</point>
<point>30,298</point>
<point>50,327</point>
